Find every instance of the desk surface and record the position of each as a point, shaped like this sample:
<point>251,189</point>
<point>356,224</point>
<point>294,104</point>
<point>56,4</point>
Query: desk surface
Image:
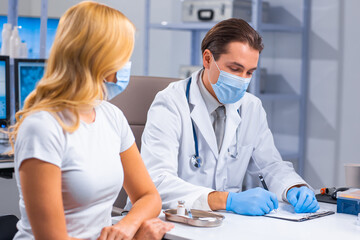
<point>336,226</point>
<point>5,165</point>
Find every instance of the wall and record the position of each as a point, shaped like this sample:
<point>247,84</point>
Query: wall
<point>333,114</point>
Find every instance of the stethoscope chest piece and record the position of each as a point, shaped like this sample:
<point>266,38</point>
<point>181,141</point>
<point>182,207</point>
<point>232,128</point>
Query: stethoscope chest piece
<point>196,161</point>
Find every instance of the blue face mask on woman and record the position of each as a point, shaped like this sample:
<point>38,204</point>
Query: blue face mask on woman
<point>230,88</point>
<point>122,80</point>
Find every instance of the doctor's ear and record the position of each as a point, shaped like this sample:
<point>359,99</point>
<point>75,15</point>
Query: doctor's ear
<point>207,58</point>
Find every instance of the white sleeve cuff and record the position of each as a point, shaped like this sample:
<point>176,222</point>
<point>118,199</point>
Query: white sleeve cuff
<point>201,202</point>
<point>287,189</point>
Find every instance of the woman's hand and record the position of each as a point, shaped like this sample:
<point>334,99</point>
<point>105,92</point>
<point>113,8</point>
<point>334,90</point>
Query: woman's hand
<point>117,232</point>
<point>153,229</point>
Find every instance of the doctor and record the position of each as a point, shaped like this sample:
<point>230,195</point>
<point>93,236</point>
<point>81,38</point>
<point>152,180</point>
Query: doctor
<point>204,134</point>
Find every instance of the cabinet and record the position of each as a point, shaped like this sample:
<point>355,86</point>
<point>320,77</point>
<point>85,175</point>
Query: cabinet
<point>299,97</point>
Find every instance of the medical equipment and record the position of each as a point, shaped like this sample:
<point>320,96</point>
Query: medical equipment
<point>195,160</point>
<point>294,196</point>
<point>199,218</point>
<point>181,208</point>
<point>122,81</point>
<point>229,88</point>
<point>217,10</point>
<point>349,201</point>
<point>252,202</point>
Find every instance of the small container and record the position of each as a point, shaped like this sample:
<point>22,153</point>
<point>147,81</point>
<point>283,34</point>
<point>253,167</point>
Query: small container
<point>352,175</point>
<point>15,43</point>
<point>181,208</point>
<point>349,201</point>
<point>6,34</point>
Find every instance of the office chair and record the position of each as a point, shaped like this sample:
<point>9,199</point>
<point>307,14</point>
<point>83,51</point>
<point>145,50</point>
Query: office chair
<point>135,102</point>
<point>8,227</point>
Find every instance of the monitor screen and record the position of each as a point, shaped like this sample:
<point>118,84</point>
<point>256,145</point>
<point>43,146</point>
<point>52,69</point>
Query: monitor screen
<point>28,73</point>
<point>4,91</point>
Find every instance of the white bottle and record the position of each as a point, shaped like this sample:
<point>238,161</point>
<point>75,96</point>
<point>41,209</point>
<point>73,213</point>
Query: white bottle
<point>181,208</point>
<point>15,43</point>
<point>23,50</point>
<point>6,34</point>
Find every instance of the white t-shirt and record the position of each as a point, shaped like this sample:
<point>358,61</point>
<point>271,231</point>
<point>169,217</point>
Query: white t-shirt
<point>91,170</point>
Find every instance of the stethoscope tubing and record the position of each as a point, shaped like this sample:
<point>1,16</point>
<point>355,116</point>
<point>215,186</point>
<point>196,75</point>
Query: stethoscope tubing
<point>195,159</point>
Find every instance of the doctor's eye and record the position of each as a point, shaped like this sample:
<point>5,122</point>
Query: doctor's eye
<point>249,74</point>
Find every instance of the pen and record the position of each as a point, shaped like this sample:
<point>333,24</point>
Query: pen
<point>262,180</point>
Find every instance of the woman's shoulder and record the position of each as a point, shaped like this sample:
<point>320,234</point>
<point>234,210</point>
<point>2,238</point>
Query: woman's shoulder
<point>40,121</point>
<point>42,118</point>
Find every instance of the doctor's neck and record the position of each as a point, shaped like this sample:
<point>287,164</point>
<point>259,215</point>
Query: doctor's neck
<point>206,81</point>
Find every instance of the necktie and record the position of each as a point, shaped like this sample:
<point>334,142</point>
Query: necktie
<point>219,125</point>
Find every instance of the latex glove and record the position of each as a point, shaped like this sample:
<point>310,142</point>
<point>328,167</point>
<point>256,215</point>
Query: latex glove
<point>256,201</point>
<point>303,199</point>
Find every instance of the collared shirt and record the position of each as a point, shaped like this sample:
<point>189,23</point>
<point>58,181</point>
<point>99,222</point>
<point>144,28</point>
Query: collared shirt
<point>211,103</point>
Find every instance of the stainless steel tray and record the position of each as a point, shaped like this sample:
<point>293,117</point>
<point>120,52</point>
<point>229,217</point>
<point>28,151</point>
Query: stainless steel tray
<point>198,218</point>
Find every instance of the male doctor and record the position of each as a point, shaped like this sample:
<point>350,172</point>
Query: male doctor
<point>205,133</point>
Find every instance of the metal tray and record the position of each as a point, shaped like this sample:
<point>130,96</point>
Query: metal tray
<point>198,218</point>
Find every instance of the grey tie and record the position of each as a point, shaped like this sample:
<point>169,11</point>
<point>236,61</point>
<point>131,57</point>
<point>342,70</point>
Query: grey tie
<point>219,125</point>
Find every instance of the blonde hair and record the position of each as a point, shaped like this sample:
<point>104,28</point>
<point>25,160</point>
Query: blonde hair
<point>92,42</point>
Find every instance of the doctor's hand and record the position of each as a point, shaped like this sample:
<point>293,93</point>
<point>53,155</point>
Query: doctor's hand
<point>303,199</point>
<point>256,201</point>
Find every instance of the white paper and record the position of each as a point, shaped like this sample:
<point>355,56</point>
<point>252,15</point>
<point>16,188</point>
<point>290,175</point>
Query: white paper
<point>286,211</point>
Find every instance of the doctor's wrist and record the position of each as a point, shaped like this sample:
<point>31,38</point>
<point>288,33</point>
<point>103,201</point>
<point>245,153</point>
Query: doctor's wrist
<point>217,200</point>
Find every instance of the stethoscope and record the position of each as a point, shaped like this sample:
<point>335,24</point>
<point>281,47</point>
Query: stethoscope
<point>195,159</point>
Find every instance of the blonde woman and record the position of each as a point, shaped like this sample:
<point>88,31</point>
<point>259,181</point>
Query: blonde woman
<point>74,151</point>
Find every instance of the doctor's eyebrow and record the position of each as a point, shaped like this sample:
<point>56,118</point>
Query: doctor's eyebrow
<point>241,66</point>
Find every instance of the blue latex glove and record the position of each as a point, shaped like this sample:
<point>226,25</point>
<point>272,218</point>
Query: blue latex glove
<point>303,199</point>
<point>256,201</point>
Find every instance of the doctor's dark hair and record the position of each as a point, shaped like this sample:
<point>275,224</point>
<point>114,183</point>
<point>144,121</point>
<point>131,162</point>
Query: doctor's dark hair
<point>227,31</point>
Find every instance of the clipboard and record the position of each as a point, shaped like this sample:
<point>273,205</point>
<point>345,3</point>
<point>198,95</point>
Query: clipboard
<point>287,212</point>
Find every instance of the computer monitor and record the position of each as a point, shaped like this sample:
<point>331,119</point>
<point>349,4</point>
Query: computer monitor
<point>4,91</point>
<point>28,73</point>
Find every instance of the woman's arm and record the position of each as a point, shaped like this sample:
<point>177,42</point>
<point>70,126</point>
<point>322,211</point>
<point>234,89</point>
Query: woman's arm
<point>140,188</point>
<point>146,202</point>
<point>41,188</point>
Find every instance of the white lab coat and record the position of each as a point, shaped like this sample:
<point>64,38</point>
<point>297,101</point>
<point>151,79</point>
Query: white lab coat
<point>168,145</point>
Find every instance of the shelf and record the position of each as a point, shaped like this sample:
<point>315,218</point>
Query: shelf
<point>270,27</point>
<point>278,97</point>
<point>6,165</point>
<point>205,26</point>
<point>183,26</point>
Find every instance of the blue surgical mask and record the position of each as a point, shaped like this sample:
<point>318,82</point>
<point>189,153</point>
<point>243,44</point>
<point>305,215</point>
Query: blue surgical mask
<point>122,80</point>
<point>230,88</point>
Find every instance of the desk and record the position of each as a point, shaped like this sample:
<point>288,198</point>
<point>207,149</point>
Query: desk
<point>6,167</point>
<point>338,226</point>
